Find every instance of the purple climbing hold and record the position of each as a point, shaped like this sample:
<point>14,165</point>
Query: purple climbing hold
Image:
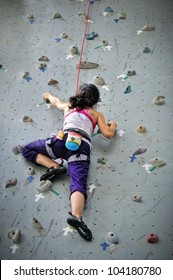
<point>139,151</point>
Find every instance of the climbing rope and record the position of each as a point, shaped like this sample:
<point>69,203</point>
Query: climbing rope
<point>82,47</point>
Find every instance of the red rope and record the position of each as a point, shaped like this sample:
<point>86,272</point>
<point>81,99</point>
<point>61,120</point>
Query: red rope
<point>82,48</point>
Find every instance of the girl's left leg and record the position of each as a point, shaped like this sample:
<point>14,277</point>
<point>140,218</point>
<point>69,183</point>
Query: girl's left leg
<point>45,161</point>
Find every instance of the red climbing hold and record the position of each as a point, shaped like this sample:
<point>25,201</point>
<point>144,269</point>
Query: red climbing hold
<point>152,238</point>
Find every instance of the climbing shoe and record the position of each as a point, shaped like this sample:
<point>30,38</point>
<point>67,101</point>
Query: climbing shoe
<point>80,226</point>
<point>53,172</point>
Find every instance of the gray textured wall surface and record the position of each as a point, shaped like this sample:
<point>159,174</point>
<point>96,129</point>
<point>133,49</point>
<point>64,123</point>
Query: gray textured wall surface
<point>115,176</point>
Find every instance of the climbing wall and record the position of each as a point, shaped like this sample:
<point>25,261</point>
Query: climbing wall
<point>130,185</point>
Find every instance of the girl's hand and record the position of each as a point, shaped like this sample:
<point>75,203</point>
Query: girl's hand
<point>46,95</point>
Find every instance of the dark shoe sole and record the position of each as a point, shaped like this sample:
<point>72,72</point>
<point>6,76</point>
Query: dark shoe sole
<point>52,173</point>
<point>81,227</point>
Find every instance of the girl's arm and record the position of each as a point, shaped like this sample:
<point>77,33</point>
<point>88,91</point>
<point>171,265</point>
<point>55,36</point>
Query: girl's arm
<point>108,130</point>
<point>55,102</point>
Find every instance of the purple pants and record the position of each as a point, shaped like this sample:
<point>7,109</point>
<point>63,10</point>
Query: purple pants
<point>78,170</point>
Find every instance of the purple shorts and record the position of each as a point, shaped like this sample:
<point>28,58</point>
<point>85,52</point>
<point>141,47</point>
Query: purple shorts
<point>78,170</point>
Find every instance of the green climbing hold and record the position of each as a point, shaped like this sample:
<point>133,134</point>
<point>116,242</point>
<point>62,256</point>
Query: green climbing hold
<point>57,15</point>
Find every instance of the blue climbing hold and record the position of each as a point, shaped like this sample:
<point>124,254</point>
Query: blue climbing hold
<point>58,40</point>
<point>91,36</point>
<point>146,50</point>
<point>109,10</point>
<point>128,89</point>
<point>104,246</point>
<point>116,20</point>
<point>132,158</point>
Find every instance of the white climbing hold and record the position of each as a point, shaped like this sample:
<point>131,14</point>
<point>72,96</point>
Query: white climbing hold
<point>120,132</point>
<point>106,87</point>
<point>73,49</point>
<point>92,187</point>
<point>38,196</point>
<point>136,198</point>
<point>112,237</point>
<point>30,170</point>
<point>67,230</point>
<point>14,248</point>
<point>64,35</point>
<point>99,81</point>
<point>159,100</point>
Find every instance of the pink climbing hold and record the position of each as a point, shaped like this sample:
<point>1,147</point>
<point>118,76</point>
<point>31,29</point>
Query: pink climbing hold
<point>152,238</point>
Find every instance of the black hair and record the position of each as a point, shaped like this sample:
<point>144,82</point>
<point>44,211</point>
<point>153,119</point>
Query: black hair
<point>87,96</point>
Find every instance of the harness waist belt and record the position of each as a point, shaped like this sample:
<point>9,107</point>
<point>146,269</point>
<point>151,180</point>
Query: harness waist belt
<point>81,132</point>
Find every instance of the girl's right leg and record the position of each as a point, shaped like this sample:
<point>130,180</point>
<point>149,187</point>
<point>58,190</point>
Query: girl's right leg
<point>36,152</point>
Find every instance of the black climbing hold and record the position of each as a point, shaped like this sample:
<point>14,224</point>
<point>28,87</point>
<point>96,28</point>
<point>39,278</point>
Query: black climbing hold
<point>27,119</point>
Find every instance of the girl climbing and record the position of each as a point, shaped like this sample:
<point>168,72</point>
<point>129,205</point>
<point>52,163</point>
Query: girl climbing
<point>72,143</point>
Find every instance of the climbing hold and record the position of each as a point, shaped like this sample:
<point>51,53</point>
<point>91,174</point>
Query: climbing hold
<point>57,15</point>
<point>141,129</point>
<point>73,50</point>
<point>152,238</point>
<point>159,100</point>
<point>64,35</point>
<point>30,170</point>
<point>30,16</point>
<point>87,65</point>
<point>10,182</point>
<point>108,10</point>
<point>112,237</point>
<point>25,75</point>
<point>136,198</point>
<point>42,66</point>
<point>122,15</point>
<point>101,161</point>
<point>14,234</point>
<point>148,28</point>
<point>27,119</point>
<point>52,82</point>
<point>36,224</point>
<point>99,81</point>
<point>131,73</point>
<point>91,36</point>
<point>104,246</point>
<point>17,149</point>
<point>105,42</point>
<point>43,58</point>
<point>128,89</point>
<point>158,162</point>
<point>44,186</point>
<point>146,50</point>
<point>82,15</point>
<point>112,248</point>
<point>139,151</point>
